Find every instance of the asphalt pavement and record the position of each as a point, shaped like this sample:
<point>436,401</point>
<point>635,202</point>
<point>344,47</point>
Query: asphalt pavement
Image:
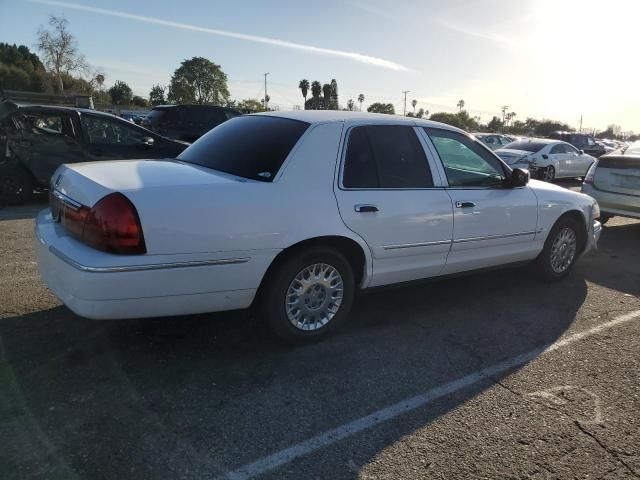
<point>492,375</point>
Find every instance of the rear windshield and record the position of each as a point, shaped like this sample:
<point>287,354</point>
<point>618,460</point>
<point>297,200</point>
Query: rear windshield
<point>619,162</point>
<point>526,146</point>
<point>156,115</point>
<point>248,146</point>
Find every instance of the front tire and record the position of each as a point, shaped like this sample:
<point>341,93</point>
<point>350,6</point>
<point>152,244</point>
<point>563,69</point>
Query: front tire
<point>308,295</point>
<point>16,186</point>
<point>561,249</point>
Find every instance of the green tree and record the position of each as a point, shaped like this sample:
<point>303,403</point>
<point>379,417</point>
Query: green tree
<point>460,104</point>
<point>200,81</point>
<point>495,125</point>
<point>20,69</point>
<point>59,50</point>
<point>378,107</point>
<point>544,128</point>
<point>421,113</point>
<point>139,101</point>
<point>326,96</point>
<point>361,100</point>
<point>350,104</point>
<point>156,95</point>
<point>333,97</point>
<point>316,90</point>
<point>304,87</point>
<point>120,93</point>
<point>250,105</point>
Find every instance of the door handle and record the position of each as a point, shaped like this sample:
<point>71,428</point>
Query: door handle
<point>365,208</point>
<point>465,204</point>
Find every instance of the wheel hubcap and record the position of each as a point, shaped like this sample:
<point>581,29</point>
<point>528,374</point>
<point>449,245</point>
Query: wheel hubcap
<point>563,250</point>
<point>314,296</point>
<point>548,174</point>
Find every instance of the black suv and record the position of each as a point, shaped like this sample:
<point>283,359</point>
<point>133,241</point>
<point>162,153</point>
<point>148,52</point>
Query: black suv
<point>582,141</point>
<point>37,139</point>
<point>186,122</point>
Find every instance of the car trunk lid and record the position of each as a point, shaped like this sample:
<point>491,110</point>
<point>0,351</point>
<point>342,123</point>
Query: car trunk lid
<point>618,174</point>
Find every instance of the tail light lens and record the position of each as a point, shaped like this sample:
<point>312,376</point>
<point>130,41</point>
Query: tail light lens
<point>591,173</point>
<point>111,225</point>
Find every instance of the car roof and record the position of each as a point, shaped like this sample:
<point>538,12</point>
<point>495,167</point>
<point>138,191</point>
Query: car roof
<point>330,116</point>
<point>480,134</point>
<point>539,140</point>
<point>24,106</point>
<point>214,107</point>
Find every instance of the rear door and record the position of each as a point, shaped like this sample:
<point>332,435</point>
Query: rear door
<point>561,161</point>
<point>112,139</point>
<point>389,193</point>
<point>493,224</point>
<point>46,140</point>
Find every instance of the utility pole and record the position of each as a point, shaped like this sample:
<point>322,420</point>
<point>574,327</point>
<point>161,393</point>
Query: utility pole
<point>580,129</point>
<point>404,111</point>
<point>265,91</point>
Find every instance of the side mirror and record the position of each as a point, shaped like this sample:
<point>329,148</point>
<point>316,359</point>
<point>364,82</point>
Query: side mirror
<point>519,177</point>
<point>147,142</point>
<point>581,152</point>
<point>545,156</point>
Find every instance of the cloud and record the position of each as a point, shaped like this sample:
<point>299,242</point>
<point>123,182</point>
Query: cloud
<point>494,37</point>
<point>357,57</point>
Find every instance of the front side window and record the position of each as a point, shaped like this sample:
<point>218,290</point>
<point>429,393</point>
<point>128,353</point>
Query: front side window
<point>249,146</point>
<point>104,130</point>
<point>465,162</point>
<point>385,156</point>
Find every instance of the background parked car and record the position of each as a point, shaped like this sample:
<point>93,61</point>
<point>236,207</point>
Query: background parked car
<point>614,181</point>
<point>493,140</point>
<point>38,139</point>
<point>547,159</point>
<point>582,141</point>
<point>186,122</point>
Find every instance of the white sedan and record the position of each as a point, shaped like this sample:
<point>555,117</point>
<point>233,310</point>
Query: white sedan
<point>547,159</point>
<point>494,140</point>
<point>295,213</point>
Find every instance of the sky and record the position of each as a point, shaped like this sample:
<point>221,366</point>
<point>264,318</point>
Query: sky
<point>557,59</point>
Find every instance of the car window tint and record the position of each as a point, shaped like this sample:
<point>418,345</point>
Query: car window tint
<point>360,169</point>
<point>400,158</point>
<point>248,146</point>
<point>103,130</point>
<point>559,148</point>
<point>465,162</point>
<point>46,124</point>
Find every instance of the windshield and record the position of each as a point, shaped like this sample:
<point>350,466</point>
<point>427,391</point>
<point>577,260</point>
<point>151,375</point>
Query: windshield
<point>248,146</point>
<point>527,146</point>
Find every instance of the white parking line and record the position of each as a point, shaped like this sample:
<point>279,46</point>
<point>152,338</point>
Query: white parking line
<point>329,437</point>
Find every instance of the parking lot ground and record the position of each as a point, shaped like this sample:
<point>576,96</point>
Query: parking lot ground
<point>492,375</point>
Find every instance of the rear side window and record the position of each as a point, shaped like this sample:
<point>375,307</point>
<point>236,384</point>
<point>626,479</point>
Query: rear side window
<point>385,156</point>
<point>248,146</point>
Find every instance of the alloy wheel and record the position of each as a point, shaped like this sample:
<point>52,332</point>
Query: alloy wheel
<point>314,296</point>
<point>549,174</point>
<point>563,250</point>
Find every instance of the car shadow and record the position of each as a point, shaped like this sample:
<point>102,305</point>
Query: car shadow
<point>609,266</point>
<point>209,393</point>
<point>27,210</point>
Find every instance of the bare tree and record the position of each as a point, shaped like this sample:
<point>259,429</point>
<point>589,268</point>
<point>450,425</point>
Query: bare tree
<point>59,49</point>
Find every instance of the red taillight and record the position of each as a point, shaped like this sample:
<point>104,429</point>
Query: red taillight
<point>113,225</point>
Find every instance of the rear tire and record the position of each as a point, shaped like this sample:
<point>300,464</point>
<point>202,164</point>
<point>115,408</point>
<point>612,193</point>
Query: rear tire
<point>549,174</point>
<point>16,186</point>
<point>309,295</point>
<point>561,249</point>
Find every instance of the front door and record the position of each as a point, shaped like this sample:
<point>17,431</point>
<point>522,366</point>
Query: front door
<point>386,194</point>
<point>493,224</point>
<point>112,139</point>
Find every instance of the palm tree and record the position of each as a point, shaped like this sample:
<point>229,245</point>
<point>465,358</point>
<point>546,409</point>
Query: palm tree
<point>316,90</point>
<point>460,104</point>
<point>361,99</point>
<point>326,93</point>
<point>350,104</point>
<point>304,86</point>
<point>414,102</point>
<point>512,115</point>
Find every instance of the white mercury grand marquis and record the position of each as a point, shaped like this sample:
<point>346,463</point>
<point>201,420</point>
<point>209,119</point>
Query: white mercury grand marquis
<point>295,212</point>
